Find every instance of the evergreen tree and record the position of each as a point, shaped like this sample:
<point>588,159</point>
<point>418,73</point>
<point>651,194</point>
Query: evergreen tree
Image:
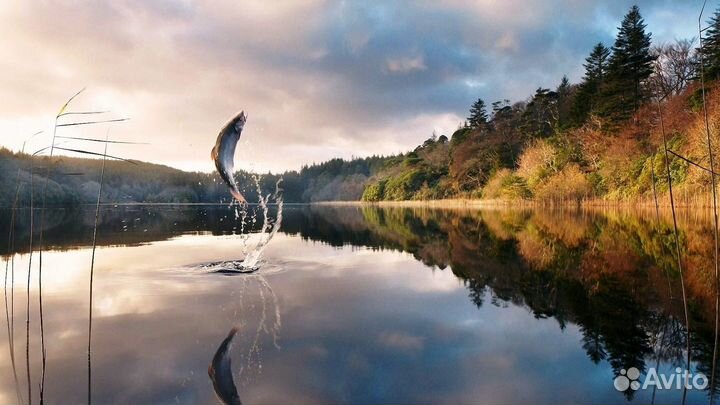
<point>565,96</point>
<point>630,66</point>
<point>564,86</point>
<point>596,66</point>
<point>710,51</point>
<point>478,114</point>
<point>501,109</point>
<point>540,117</point>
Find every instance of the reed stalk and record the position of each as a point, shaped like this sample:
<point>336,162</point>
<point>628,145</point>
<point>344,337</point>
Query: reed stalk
<point>715,211</point>
<point>677,248</point>
<point>92,273</point>
<point>10,265</point>
<point>27,308</point>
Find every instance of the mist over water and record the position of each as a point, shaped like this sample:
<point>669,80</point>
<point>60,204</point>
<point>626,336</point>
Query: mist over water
<point>363,304</point>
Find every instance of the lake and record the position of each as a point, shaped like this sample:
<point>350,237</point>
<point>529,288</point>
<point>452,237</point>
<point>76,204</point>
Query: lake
<point>360,304</point>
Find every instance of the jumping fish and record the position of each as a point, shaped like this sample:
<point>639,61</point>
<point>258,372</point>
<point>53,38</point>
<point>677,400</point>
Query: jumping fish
<point>221,373</point>
<point>223,153</point>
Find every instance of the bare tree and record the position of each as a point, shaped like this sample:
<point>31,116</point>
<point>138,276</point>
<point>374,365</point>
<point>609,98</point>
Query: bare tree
<point>674,67</point>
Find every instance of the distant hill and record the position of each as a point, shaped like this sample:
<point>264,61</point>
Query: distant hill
<point>74,181</point>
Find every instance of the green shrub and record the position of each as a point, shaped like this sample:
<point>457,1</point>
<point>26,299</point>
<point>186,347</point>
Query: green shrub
<point>695,101</point>
<point>403,186</point>
<point>506,185</point>
<point>374,191</point>
<point>537,162</point>
<point>459,136</point>
<point>568,184</point>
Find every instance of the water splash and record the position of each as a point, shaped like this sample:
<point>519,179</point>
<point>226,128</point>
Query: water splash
<point>270,226</point>
<point>248,216</point>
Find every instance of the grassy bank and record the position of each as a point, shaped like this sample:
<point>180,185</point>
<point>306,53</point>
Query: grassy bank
<point>682,200</point>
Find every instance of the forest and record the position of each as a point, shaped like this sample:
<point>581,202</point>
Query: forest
<point>603,139</point>
<point>73,181</point>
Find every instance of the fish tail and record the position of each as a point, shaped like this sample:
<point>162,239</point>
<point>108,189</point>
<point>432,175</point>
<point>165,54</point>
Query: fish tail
<point>221,350</point>
<point>239,197</point>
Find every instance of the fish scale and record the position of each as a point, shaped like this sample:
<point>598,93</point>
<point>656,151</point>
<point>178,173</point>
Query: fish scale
<point>223,153</point>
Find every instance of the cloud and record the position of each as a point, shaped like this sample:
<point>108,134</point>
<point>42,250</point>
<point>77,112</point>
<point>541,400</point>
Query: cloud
<point>320,79</point>
<point>401,341</point>
<point>405,64</point>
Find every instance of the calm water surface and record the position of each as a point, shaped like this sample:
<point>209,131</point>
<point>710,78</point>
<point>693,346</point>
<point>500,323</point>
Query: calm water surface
<point>360,305</point>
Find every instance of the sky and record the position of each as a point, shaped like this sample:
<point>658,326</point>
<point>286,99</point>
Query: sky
<point>318,79</point>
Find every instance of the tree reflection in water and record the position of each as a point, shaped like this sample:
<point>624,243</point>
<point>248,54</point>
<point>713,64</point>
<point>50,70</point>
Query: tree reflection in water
<point>611,273</point>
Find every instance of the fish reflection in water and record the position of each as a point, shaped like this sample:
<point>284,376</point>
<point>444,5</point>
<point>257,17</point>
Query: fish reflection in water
<point>220,372</point>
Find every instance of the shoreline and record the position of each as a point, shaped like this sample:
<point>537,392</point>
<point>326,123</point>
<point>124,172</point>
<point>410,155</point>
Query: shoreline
<point>453,203</point>
<point>686,213</point>
<point>697,203</point>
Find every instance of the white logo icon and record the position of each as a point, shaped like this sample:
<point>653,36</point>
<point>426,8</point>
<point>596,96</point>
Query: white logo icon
<point>627,379</point>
